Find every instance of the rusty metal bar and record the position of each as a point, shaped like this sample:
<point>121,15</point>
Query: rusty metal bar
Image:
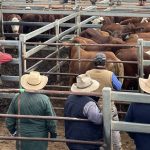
<point>58,108</point>
<point>73,74</point>
<point>68,59</point>
<point>54,73</point>
<point>45,36</point>
<point>57,86</point>
<point>53,140</point>
<point>51,92</point>
<point>79,44</point>
<point>41,117</point>
<point>58,98</point>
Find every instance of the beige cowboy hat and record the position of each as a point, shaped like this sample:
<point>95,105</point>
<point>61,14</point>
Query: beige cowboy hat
<point>33,81</point>
<point>84,84</point>
<point>145,84</point>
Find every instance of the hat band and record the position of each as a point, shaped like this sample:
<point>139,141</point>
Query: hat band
<point>79,87</point>
<point>33,84</point>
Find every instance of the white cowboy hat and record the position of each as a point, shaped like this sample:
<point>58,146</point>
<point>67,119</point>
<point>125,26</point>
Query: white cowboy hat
<point>145,84</point>
<point>33,81</point>
<point>84,84</point>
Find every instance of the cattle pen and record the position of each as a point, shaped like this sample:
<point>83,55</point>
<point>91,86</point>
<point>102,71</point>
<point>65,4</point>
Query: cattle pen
<point>46,49</point>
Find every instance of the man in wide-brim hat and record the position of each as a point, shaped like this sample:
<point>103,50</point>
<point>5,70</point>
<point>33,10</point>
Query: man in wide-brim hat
<point>83,107</point>
<point>145,84</point>
<point>139,113</point>
<point>33,81</point>
<point>107,79</point>
<point>32,104</point>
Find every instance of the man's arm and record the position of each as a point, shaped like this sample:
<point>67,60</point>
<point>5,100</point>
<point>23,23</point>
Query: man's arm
<point>93,112</point>
<point>51,124</point>
<point>11,122</point>
<point>4,57</point>
<point>116,83</point>
<point>129,118</point>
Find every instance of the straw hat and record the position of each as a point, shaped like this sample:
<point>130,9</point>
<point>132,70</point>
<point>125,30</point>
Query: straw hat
<point>33,81</point>
<point>85,84</point>
<point>145,84</point>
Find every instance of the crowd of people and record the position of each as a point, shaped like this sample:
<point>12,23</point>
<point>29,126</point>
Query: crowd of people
<point>76,106</point>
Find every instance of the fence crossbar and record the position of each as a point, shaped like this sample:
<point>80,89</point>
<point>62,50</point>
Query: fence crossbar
<point>110,125</point>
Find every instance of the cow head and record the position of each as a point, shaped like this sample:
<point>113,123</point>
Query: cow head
<point>14,28</point>
<point>98,20</point>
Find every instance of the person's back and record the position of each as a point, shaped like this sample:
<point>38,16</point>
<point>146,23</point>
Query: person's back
<point>103,76</point>
<point>138,113</point>
<point>32,104</point>
<point>84,107</point>
<point>106,78</point>
<point>80,130</point>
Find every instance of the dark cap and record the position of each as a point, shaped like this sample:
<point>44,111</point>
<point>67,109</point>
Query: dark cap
<point>100,59</point>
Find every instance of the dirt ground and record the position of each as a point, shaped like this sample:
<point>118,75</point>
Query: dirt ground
<point>127,143</point>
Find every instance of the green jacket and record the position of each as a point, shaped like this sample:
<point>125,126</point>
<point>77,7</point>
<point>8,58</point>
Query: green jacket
<point>32,104</point>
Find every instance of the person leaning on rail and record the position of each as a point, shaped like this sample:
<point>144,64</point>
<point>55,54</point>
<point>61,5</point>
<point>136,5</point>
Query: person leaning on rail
<point>32,104</point>
<point>84,107</point>
<point>4,58</point>
<point>107,78</point>
<point>139,113</point>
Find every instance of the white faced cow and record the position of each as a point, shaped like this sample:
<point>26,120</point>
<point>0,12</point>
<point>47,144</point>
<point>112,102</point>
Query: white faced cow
<point>12,28</point>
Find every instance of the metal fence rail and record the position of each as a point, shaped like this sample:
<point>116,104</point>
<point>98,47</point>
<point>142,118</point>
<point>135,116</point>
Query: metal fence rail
<point>110,125</point>
<point>17,61</point>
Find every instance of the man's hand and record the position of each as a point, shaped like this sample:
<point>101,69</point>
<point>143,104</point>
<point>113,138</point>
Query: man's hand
<point>14,134</point>
<point>53,135</point>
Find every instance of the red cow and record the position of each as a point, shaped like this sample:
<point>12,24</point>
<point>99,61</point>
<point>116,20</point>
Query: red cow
<point>100,38</point>
<point>130,54</point>
<point>79,67</point>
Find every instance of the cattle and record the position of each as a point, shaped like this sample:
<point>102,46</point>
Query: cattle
<point>31,28</point>
<point>79,67</point>
<point>85,41</point>
<point>103,20</point>
<point>142,2</point>
<point>130,54</point>
<point>117,30</point>
<point>134,20</point>
<point>31,18</point>
<point>12,28</point>
<point>143,27</point>
<point>49,18</point>
<point>133,38</point>
<point>99,38</point>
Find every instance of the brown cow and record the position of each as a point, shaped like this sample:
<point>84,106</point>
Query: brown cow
<point>31,18</point>
<point>133,38</point>
<point>81,67</point>
<point>99,38</point>
<point>130,54</point>
<point>143,27</point>
<point>117,30</point>
<point>83,41</point>
<point>134,20</point>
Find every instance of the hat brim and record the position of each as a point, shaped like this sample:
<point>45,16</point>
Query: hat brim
<point>94,86</point>
<point>26,85</point>
<point>143,85</point>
